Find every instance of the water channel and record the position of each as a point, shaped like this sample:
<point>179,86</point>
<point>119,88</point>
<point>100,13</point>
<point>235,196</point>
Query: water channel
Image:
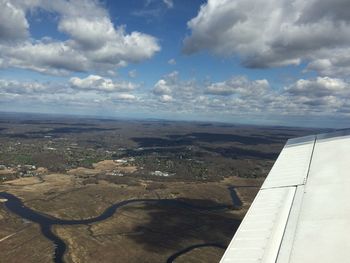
<point>16,206</point>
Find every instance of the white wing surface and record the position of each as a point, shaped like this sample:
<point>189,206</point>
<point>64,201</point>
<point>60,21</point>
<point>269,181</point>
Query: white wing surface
<point>302,211</point>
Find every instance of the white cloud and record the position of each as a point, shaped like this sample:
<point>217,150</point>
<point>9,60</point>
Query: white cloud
<point>161,87</point>
<point>335,63</point>
<point>13,23</point>
<point>89,33</point>
<point>319,87</point>
<point>98,83</point>
<point>239,86</point>
<point>172,61</point>
<point>171,88</point>
<point>236,97</point>
<point>167,85</point>
<point>45,57</point>
<point>273,32</point>
<point>240,96</point>
<point>169,3</point>
<point>94,43</point>
<point>321,96</point>
<point>124,96</point>
<point>132,73</point>
<point>17,87</point>
<point>166,98</point>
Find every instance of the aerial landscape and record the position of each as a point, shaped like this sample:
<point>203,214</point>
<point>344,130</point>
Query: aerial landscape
<point>142,130</point>
<point>162,191</point>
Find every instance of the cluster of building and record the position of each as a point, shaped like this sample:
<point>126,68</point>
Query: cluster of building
<point>159,173</point>
<point>13,172</point>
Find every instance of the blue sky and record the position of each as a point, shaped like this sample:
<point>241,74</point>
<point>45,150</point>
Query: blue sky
<point>274,62</point>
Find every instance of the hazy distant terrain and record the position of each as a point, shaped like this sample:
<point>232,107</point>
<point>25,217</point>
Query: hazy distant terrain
<point>128,191</point>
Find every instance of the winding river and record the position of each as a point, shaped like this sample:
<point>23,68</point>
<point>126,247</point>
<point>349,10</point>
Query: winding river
<point>16,206</point>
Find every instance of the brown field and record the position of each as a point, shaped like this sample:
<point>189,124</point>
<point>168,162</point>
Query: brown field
<point>147,231</point>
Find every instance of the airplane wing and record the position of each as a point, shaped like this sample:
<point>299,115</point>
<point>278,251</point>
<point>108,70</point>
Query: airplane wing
<point>302,211</point>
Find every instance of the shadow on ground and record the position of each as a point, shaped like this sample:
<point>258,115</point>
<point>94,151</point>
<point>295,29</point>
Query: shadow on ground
<point>193,138</point>
<point>175,227</point>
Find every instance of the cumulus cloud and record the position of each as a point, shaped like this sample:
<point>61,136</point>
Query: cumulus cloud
<point>240,86</point>
<point>17,87</point>
<point>240,96</point>
<point>166,98</point>
<point>305,97</point>
<point>94,43</point>
<point>161,87</point>
<point>167,85</point>
<point>13,23</point>
<point>334,63</point>
<point>322,95</point>
<point>236,97</point>
<point>90,34</point>
<point>172,86</point>
<point>272,33</point>
<point>319,87</point>
<point>98,83</point>
<point>324,9</point>
<point>45,57</point>
<point>125,96</point>
<point>36,95</point>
